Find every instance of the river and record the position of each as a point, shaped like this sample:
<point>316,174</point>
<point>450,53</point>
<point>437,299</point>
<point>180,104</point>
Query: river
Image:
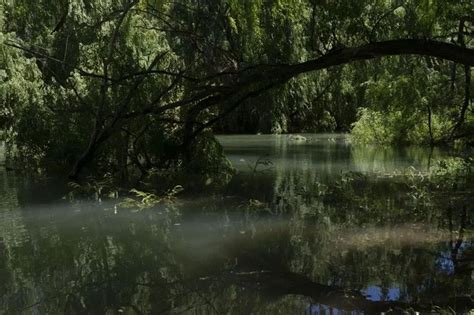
<point>310,224</point>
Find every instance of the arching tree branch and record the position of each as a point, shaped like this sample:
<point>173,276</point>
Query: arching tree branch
<point>421,47</point>
<point>246,84</point>
<point>249,83</point>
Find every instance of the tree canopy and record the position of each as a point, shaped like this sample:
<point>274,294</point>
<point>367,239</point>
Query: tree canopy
<point>132,86</point>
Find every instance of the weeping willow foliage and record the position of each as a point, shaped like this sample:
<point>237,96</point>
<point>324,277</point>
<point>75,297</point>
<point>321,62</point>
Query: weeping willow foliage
<point>87,81</point>
<point>412,104</point>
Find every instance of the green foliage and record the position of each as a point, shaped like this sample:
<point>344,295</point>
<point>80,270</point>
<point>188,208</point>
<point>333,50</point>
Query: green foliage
<point>408,105</point>
<point>98,189</point>
<point>146,200</point>
<point>84,84</point>
<point>372,127</point>
<point>453,174</point>
<point>208,167</point>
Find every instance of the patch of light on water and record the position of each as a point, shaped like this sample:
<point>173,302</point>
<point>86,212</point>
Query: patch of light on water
<point>325,154</point>
<point>321,309</point>
<point>376,294</point>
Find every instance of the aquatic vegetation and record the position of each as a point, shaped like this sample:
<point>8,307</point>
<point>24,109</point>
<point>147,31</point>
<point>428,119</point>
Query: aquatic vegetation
<point>97,189</point>
<point>145,200</point>
<point>283,240</point>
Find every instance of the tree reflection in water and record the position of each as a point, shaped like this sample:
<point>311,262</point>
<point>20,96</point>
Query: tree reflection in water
<point>360,244</point>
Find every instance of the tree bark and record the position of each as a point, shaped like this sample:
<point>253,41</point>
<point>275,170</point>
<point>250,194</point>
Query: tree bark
<point>419,47</point>
<point>467,83</point>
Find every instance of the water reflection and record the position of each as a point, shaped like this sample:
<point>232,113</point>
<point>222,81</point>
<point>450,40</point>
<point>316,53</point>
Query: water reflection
<point>325,154</point>
<point>290,249</point>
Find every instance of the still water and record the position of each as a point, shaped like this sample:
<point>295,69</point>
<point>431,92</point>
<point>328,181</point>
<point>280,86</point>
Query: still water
<point>307,226</point>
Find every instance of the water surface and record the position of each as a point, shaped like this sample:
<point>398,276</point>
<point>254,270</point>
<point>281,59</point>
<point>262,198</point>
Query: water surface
<point>279,241</point>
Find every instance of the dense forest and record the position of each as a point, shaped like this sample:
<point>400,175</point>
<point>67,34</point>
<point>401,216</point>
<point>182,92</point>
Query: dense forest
<point>132,88</point>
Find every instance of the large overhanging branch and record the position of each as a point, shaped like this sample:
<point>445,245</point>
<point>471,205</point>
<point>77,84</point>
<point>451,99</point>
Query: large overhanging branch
<point>421,47</point>
<point>250,81</point>
<point>281,73</point>
<point>345,55</point>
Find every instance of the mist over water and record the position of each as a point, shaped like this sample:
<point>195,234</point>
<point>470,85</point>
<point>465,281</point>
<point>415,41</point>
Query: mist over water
<point>277,241</point>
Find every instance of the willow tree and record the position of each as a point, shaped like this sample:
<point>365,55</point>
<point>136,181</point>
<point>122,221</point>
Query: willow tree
<point>138,85</point>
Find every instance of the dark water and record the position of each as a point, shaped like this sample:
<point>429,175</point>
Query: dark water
<point>293,234</point>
